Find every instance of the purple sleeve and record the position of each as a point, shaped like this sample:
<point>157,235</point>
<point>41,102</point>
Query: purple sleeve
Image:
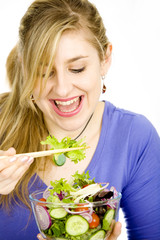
<point>141,195</point>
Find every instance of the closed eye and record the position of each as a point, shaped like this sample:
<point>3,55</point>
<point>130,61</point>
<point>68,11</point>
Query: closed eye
<point>77,70</point>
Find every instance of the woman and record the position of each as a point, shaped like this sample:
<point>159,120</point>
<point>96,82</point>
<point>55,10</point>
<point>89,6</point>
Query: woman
<point>55,73</point>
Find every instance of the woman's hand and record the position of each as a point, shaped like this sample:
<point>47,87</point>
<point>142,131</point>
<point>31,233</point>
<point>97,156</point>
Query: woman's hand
<point>12,169</point>
<point>115,233</point>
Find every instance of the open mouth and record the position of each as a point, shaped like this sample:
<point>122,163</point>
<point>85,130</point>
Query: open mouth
<point>68,107</point>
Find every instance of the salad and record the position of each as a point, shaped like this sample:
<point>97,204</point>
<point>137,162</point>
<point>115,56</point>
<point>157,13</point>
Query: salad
<point>79,209</point>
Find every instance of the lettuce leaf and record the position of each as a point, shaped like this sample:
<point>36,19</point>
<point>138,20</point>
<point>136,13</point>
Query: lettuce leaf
<point>81,180</point>
<point>59,186</point>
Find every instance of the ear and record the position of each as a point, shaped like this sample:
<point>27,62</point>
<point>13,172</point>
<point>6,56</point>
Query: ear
<point>106,62</point>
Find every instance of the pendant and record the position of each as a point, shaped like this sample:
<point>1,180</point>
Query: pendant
<point>60,159</point>
<point>104,88</point>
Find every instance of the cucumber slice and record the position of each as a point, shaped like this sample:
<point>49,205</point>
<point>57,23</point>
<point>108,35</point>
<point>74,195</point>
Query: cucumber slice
<point>76,225</point>
<point>107,220</point>
<point>58,213</point>
<point>99,235</point>
<point>59,159</point>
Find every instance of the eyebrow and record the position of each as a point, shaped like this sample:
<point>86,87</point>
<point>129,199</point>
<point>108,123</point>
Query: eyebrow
<point>76,58</point>
<point>72,59</point>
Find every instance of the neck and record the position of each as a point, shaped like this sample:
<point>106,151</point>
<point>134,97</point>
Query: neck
<point>75,138</point>
<point>91,123</point>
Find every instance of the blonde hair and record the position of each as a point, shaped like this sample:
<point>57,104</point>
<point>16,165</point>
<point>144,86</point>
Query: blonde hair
<point>22,125</point>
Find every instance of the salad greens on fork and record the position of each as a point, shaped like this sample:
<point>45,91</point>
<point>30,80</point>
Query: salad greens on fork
<point>60,158</point>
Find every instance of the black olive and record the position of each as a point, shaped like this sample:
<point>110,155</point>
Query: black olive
<point>101,210</point>
<point>106,195</point>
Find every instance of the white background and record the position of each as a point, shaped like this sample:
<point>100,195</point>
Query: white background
<point>133,27</point>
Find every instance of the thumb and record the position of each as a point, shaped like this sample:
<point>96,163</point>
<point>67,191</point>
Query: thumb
<point>116,231</point>
<point>11,151</point>
<point>39,236</point>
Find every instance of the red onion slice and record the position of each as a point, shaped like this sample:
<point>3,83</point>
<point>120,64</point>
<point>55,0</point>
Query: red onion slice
<point>87,216</point>
<point>43,217</point>
<point>90,207</point>
<point>74,212</point>
<point>113,189</point>
<point>46,193</point>
<point>89,211</point>
<point>112,204</point>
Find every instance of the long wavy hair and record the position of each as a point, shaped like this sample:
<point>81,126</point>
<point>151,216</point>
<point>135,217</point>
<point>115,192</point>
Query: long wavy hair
<point>21,121</point>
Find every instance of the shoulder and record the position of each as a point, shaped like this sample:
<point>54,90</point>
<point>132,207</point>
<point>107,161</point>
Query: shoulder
<point>129,128</point>
<point>133,121</point>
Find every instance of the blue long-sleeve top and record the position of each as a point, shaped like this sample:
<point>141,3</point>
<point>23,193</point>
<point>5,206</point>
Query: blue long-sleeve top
<point>128,157</point>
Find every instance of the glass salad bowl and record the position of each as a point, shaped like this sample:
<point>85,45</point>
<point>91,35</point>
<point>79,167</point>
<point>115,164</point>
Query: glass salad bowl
<point>86,213</point>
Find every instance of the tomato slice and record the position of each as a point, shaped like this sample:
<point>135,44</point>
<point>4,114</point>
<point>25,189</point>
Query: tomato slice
<point>85,185</point>
<point>81,208</point>
<point>95,221</point>
<point>42,200</point>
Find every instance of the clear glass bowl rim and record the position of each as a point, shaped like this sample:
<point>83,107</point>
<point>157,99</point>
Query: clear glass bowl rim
<point>62,204</point>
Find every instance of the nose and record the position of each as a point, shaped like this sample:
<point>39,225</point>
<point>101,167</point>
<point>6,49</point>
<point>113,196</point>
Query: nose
<point>63,85</point>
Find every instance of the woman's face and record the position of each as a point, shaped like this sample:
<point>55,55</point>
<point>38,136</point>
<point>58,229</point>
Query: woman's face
<point>73,88</point>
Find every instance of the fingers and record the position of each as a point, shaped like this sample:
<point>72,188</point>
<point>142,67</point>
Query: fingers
<point>9,154</point>
<point>8,184</point>
<point>11,170</point>
<point>116,231</point>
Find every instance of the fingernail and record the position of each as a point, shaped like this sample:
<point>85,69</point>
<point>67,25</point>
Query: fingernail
<point>12,159</point>
<point>24,159</point>
<point>30,160</point>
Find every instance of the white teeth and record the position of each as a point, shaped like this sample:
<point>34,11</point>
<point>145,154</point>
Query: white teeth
<point>71,110</point>
<point>67,102</point>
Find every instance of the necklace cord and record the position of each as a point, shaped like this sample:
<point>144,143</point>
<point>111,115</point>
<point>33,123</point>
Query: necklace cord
<point>84,127</point>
